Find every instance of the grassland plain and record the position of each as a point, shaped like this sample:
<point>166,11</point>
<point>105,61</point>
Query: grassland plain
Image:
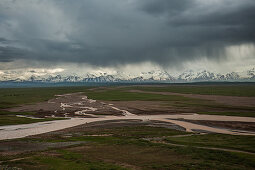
<point>123,95</point>
<point>244,143</point>
<point>179,103</point>
<point>9,118</point>
<point>225,90</point>
<point>11,97</point>
<point>126,148</point>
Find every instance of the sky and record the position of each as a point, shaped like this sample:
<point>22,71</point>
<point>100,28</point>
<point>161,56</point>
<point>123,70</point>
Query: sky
<point>127,35</point>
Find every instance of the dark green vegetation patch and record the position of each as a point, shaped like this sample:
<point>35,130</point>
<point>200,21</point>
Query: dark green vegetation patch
<point>128,148</point>
<point>224,90</point>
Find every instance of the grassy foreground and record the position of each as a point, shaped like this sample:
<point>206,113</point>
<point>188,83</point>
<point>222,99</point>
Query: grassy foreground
<point>243,143</point>
<point>126,148</point>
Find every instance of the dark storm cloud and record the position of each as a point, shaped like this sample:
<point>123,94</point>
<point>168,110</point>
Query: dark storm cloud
<point>165,6</point>
<point>8,54</point>
<point>118,32</point>
<point>3,40</point>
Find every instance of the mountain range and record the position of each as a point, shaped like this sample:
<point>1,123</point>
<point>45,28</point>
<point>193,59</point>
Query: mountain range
<point>151,76</point>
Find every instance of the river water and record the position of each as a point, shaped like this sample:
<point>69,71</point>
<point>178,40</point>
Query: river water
<point>20,131</point>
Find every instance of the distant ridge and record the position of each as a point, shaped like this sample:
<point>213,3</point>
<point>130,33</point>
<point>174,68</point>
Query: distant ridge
<point>151,76</point>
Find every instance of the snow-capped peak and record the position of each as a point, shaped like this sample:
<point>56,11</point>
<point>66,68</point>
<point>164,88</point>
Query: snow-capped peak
<point>117,76</point>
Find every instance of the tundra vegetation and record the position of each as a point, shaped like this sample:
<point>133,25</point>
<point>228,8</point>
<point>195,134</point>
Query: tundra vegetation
<point>130,144</point>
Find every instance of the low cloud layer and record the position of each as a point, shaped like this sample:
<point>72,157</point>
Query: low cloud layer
<point>113,32</point>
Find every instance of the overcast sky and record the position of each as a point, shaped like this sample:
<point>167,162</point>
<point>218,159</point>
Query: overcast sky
<point>173,34</point>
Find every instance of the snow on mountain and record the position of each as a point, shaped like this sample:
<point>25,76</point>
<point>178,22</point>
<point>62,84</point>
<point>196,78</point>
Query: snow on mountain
<point>204,75</point>
<point>192,76</point>
<point>187,76</point>
<point>232,76</point>
<point>116,76</point>
<point>157,75</point>
<point>251,73</point>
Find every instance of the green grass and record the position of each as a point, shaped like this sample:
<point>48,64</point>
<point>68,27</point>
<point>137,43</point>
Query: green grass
<point>226,90</point>
<point>243,114</point>
<point>214,159</point>
<point>180,103</point>
<point>171,100</point>
<point>142,154</point>
<point>120,95</point>
<point>3,112</point>
<point>127,157</point>
<point>11,97</point>
<point>134,131</point>
<point>243,143</point>
<point>10,118</point>
<point>120,135</point>
<point>126,149</point>
<point>143,132</point>
<point>14,120</point>
<point>18,96</point>
<point>15,96</point>
<point>66,160</point>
